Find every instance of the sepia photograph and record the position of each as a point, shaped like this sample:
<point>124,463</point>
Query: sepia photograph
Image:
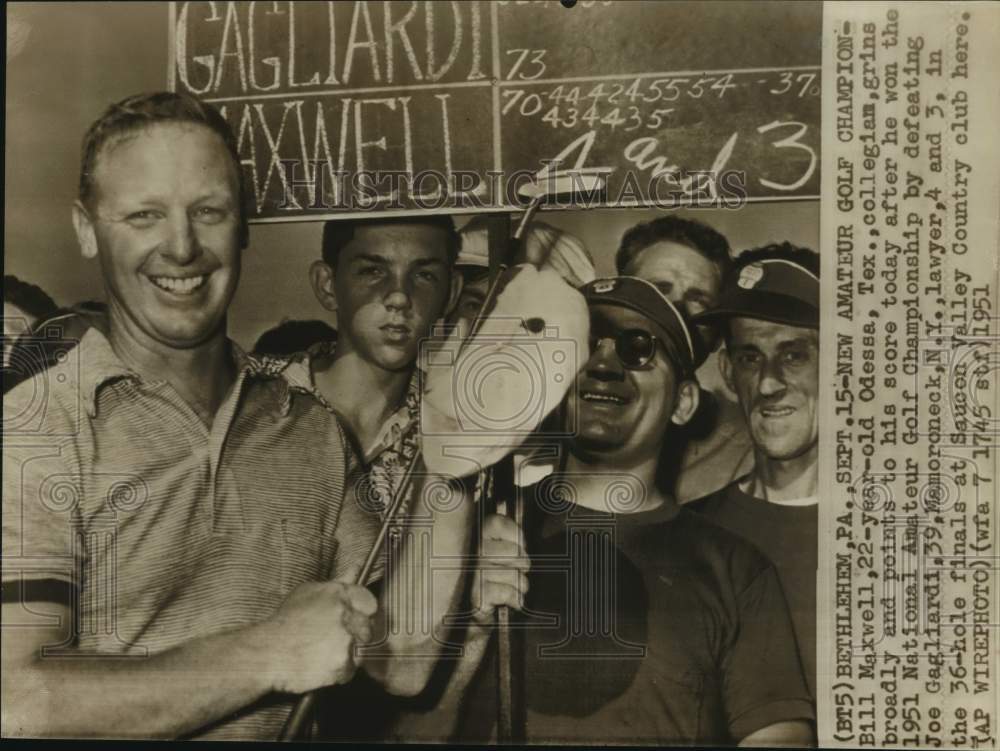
<point>502,372</point>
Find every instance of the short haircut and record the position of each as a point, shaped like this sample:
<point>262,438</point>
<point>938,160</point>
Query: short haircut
<point>30,298</point>
<point>135,113</point>
<point>694,234</point>
<point>290,337</point>
<point>338,233</point>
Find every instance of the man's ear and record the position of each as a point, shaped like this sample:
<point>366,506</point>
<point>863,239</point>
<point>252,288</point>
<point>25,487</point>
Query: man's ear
<point>688,396</point>
<point>726,368</point>
<point>457,282</point>
<point>85,235</point>
<point>321,279</point>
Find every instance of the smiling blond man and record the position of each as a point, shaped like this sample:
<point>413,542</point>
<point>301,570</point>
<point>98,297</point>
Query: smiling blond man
<point>177,514</point>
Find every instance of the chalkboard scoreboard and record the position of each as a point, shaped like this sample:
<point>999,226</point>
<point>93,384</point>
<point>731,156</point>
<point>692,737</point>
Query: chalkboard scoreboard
<point>395,107</point>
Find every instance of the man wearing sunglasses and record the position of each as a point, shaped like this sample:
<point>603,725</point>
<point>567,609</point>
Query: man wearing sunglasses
<point>769,309</point>
<point>642,623</point>
<point>687,261</point>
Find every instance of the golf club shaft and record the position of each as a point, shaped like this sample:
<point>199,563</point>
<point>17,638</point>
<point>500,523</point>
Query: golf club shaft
<point>303,709</point>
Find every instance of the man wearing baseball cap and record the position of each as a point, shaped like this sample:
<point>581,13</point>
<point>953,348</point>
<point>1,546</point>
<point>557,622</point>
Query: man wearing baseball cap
<point>687,260</point>
<point>769,313</point>
<point>643,623</point>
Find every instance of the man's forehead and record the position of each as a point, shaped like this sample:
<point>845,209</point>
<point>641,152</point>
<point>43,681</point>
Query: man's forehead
<point>674,257</point>
<point>177,147</point>
<point>152,136</point>
<point>755,331</point>
<point>411,240</point>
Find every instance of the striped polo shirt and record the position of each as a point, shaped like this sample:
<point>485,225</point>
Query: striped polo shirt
<point>161,528</point>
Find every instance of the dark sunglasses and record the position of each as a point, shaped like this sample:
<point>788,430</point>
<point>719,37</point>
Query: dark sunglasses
<point>635,347</point>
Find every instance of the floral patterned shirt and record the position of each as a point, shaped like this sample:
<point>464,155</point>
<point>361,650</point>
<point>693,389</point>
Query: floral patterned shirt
<point>388,457</point>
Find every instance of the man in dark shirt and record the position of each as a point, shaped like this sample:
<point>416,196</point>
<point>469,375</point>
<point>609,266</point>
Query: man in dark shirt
<point>770,312</point>
<point>643,622</point>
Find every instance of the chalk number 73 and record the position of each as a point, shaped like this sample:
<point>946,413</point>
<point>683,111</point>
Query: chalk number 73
<point>530,60</point>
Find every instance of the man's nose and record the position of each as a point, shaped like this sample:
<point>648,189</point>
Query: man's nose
<point>182,245</point>
<point>398,292</point>
<point>604,362</point>
<point>772,378</point>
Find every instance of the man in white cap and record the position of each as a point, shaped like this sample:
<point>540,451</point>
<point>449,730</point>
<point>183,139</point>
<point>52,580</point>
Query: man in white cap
<point>769,310</point>
<point>545,246</point>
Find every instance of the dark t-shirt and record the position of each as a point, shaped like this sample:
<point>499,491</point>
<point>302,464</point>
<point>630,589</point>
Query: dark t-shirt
<point>641,628</point>
<point>789,536</point>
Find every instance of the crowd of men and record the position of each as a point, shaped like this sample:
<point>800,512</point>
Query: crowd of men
<point>185,524</point>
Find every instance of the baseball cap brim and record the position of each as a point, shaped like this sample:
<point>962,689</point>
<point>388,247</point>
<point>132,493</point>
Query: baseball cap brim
<point>766,306</point>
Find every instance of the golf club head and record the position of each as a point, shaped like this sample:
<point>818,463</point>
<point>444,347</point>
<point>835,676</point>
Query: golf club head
<point>483,397</point>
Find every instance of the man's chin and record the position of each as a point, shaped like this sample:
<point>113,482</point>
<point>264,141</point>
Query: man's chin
<point>587,445</point>
<point>783,451</point>
<point>186,335</point>
<point>394,359</point>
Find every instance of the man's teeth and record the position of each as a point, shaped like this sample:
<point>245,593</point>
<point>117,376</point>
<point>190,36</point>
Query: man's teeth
<point>590,396</point>
<point>777,411</point>
<point>179,286</point>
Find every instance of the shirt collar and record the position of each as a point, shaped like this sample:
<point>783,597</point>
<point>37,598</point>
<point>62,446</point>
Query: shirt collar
<point>298,374</point>
<point>395,429</point>
<point>98,365</point>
